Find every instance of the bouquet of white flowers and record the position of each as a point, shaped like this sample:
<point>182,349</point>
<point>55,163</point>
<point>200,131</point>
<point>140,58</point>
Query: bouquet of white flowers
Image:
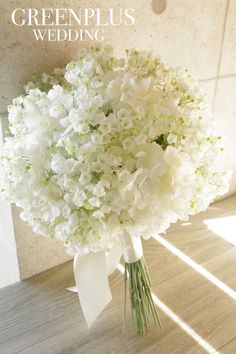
<point>110,150</point>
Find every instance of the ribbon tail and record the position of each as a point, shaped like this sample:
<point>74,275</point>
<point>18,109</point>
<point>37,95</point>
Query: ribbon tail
<point>113,257</point>
<point>92,284</point>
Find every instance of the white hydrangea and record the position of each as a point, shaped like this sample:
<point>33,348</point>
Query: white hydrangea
<point>106,145</point>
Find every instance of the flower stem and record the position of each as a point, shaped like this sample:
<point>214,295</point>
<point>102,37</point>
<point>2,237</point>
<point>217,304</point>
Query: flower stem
<point>142,303</point>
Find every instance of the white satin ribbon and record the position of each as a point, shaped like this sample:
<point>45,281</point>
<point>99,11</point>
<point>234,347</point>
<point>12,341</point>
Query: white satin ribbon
<point>91,273</point>
<point>132,247</point>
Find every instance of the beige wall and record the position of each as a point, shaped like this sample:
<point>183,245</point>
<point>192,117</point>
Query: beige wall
<point>35,253</point>
<point>200,35</point>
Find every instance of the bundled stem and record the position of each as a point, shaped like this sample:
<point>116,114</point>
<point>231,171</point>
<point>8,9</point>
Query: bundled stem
<point>142,304</point>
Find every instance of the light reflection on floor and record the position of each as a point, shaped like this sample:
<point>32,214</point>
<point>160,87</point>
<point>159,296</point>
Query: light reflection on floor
<point>224,227</point>
<point>197,267</point>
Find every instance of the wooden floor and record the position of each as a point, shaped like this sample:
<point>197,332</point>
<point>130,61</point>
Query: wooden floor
<point>193,270</point>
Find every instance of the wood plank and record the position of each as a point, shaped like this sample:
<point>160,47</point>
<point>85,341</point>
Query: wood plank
<point>229,348</point>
